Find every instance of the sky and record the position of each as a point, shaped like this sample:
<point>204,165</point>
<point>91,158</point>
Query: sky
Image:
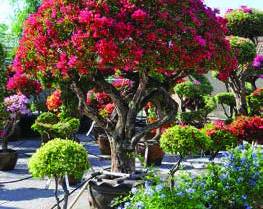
<point>6,9</point>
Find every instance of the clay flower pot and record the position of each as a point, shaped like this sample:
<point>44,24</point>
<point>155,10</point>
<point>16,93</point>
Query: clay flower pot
<point>8,160</point>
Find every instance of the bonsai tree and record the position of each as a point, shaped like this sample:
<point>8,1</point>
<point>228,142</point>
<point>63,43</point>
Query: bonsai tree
<point>51,126</point>
<point>183,140</point>
<point>56,159</point>
<point>245,51</point>
<point>150,43</point>
<point>10,111</point>
<point>196,100</point>
<point>227,99</point>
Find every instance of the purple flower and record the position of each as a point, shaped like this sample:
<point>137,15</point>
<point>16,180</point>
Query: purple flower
<point>17,104</point>
<point>258,61</point>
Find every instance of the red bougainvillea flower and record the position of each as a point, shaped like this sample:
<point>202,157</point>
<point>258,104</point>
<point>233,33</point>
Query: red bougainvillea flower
<point>22,83</point>
<point>248,128</point>
<point>164,37</point>
<point>54,101</point>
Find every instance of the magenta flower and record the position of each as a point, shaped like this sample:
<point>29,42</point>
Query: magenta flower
<point>258,62</point>
<point>139,15</point>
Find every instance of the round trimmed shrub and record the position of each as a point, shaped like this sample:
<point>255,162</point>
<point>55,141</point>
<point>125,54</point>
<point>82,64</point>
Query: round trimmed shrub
<point>244,23</point>
<point>221,138</point>
<point>59,157</point>
<point>244,49</point>
<point>184,140</point>
<point>255,102</point>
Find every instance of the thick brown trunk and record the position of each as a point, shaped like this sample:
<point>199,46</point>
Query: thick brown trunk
<point>122,157</point>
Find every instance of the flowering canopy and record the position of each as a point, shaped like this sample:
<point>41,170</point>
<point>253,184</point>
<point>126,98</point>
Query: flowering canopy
<point>89,36</point>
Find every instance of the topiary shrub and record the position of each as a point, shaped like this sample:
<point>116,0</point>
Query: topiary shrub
<point>183,140</point>
<point>58,158</point>
<point>199,116</point>
<point>244,49</point>
<point>227,99</point>
<point>245,22</point>
<point>221,138</point>
<point>50,126</point>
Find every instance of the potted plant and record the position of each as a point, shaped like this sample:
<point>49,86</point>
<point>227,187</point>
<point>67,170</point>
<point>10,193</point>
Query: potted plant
<point>56,159</point>
<point>146,43</point>
<point>10,111</point>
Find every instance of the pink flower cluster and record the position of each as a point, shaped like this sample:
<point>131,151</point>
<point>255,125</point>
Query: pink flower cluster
<point>17,104</point>
<point>258,62</point>
<point>65,37</point>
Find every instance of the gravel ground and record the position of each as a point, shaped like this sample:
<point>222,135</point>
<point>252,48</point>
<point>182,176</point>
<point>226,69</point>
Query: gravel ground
<point>33,194</point>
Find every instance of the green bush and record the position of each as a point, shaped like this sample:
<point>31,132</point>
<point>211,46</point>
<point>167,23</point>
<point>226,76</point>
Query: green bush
<point>57,158</point>
<point>221,138</point>
<point>244,49</point>
<point>184,140</point>
<point>192,89</point>
<point>245,24</point>
<point>50,125</point>
<point>199,117</point>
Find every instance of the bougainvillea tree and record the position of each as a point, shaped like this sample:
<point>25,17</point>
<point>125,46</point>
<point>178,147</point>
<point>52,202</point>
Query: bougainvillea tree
<point>150,43</point>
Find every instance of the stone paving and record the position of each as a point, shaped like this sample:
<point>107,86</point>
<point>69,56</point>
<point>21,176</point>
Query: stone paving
<point>33,194</point>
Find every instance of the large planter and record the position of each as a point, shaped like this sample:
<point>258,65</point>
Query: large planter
<point>151,151</point>
<point>105,188</point>
<point>8,160</point>
<point>104,144</point>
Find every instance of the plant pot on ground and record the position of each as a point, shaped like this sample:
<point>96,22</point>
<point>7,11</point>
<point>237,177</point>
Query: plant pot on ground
<point>151,151</point>
<point>10,111</point>
<point>104,144</point>
<point>108,186</point>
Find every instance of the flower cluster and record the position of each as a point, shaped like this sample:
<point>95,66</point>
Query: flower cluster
<point>65,37</point>
<point>54,100</point>
<point>100,101</point>
<point>243,8</point>
<point>22,83</point>
<point>248,128</point>
<point>17,104</point>
<point>258,62</point>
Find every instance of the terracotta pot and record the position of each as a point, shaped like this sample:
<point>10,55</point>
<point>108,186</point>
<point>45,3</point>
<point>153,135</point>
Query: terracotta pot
<point>104,144</point>
<point>8,160</point>
<point>71,180</point>
<point>106,188</point>
<point>155,153</point>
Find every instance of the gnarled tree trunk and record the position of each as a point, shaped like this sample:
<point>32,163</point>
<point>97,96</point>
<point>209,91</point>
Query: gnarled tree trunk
<point>122,157</point>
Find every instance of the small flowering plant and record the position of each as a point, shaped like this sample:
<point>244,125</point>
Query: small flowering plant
<point>221,138</point>
<point>11,109</point>
<point>237,183</point>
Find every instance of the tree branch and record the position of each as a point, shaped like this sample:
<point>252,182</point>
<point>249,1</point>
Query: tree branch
<point>91,112</point>
<point>169,107</point>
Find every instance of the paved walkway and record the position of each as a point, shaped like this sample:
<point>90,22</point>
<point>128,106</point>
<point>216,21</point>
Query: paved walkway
<point>33,194</point>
